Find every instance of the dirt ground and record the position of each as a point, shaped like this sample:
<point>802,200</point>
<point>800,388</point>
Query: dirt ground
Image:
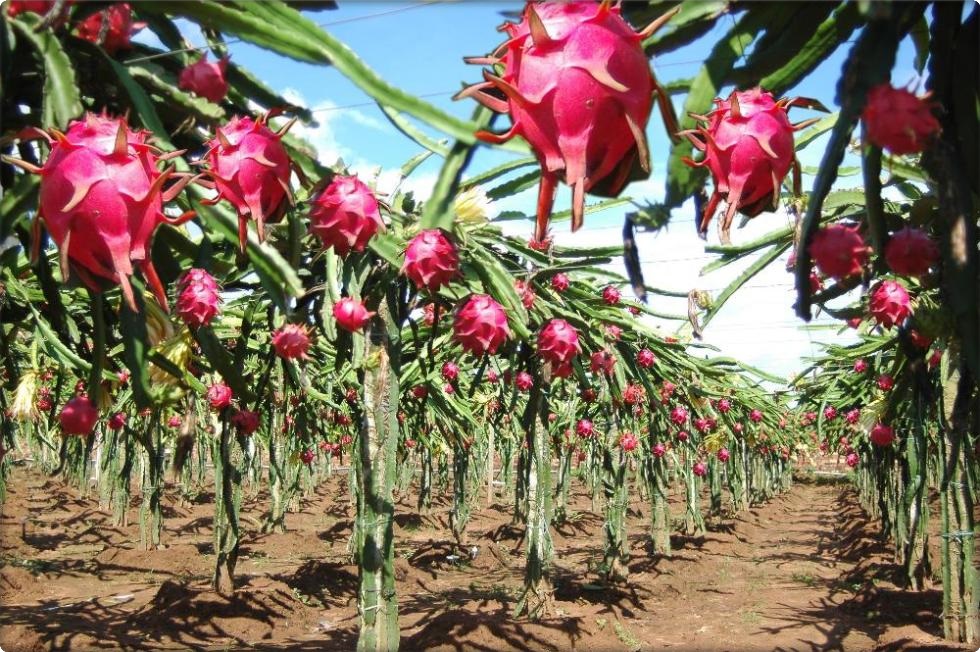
<point>804,572</point>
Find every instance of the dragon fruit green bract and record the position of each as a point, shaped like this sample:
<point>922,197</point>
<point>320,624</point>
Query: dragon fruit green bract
<point>205,79</point>
<point>250,169</point>
<point>579,89</point>
<point>345,215</point>
<point>431,260</point>
<point>480,325</point>
<point>896,120</point>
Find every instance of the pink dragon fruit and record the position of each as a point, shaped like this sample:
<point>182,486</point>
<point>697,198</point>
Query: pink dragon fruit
<point>450,371</point>
<point>307,456</point>
<point>613,332</point>
<point>197,298</point>
<point>658,450</point>
<point>860,366</point>
<point>250,169</point>
<point>292,341</point>
<point>829,413</point>
<point>117,421</point>
<point>112,28</point>
<point>645,358</point>
<point>634,310</point>
<point>682,435</point>
<point>558,345</point>
<point>420,391</point>
<point>526,293</point>
<point>634,394</point>
<point>628,442</point>
<point>889,303</point>
<point>911,252</point>
<point>702,424</point>
<point>700,469</point>
<point>885,382</point>
<point>723,455</point>
<point>219,396</point>
<point>852,416</point>
<point>480,325</point>
<point>579,89</point>
<point>174,422</point>
<point>611,295</point>
<point>524,382</point>
<point>559,282</point>
<point>491,377</point>
<point>101,199</point>
<point>882,435</point>
<point>351,315</point>
<point>896,120</point>
<point>839,251</point>
<point>448,388</point>
<point>602,362</point>
<point>205,79</point>
<point>755,416</point>
<point>246,421</point>
<point>679,415</point>
<point>852,460</point>
<point>78,416</point>
<point>431,260</point>
<point>748,148</point>
<point>345,215</point>
<point>588,395</point>
<point>919,339</point>
<point>724,405</point>
<point>584,428</point>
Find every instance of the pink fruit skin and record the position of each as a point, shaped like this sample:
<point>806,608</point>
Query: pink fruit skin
<point>584,428</point>
<point>101,200</point>
<point>885,382</point>
<point>682,435</point>
<point>755,416</point>
<point>351,315</point>
<point>480,325</point>
<point>723,455</point>
<point>117,34</point>
<point>78,416</point>
<point>526,292</point>
<point>219,396</point>
<point>431,260</point>
<point>852,460</point>
<point>678,415</point>
<point>911,252</point>
<point>860,366</point>
<point>205,79</point>
<point>117,421</point>
<point>748,146</point>
<point>852,416</point>
<point>197,298</point>
<point>345,215</point>
<point>658,450</point>
<point>579,90</point>
<point>839,251</point>
<point>724,405</point>
<point>896,120</point>
<point>889,303</point>
<point>450,371</point>
<point>700,469</point>
<point>250,169</point>
<point>292,341</point>
<point>634,394</point>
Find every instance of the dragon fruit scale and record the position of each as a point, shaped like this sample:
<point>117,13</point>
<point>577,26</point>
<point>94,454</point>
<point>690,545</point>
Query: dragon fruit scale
<point>250,169</point>
<point>579,89</point>
<point>101,199</point>
<point>345,215</point>
<point>748,148</point>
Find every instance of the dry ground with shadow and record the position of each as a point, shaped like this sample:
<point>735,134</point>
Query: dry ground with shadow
<point>804,572</point>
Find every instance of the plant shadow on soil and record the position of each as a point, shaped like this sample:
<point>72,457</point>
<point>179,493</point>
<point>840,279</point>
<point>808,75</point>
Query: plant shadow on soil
<point>805,571</point>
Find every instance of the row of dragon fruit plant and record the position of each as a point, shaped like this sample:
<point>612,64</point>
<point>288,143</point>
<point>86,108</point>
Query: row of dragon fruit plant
<point>572,147</point>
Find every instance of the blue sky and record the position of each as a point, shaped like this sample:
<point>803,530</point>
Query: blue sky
<point>420,49</point>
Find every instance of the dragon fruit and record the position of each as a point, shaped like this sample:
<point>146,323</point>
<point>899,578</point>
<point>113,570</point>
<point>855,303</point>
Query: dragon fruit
<point>911,252</point>
<point>431,260</point>
<point>584,428</point>
<point>117,421</point>
<point>559,282</point>
<point>526,293</point>
<point>702,424</point>
<point>679,415</point>
<point>839,251</point>
<point>613,332</point>
<point>724,405</point>
<point>480,325</point>
<point>755,416</point>
<point>205,79</point>
<point>219,396</point>
<point>748,148</point>
<point>448,388</point>
<point>645,358</point>
<point>882,435</point>
<point>579,89</point>
<point>852,416</point>
<point>250,169</point>
<point>420,391</point>
<point>885,382</point>
<point>634,394</point>
<point>174,422</point>
<point>197,298</point>
<point>658,450</point>
<point>889,303</point>
<point>723,455</point>
<point>854,322</point>
<point>291,341</point>
<point>852,460</point>
<point>738,428</point>
<point>919,339</point>
<point>491,377</point>
<point>78,416</point>
<point>860,366</point>
<point>896,120</point>
<point>524,382</point>
<point>588,395</point>
<point>682,436</point>
<point>112,28</point>
<point>628,442</point>
<point>345,215</point>
<point>246,421</point>
<point>101,199</point>
<point>611,295</point>
<point>700,469</point>
<point>558,345</point>
<point>602,362</point>
<point>450,371</point>
<point>829,413</point>
<point>307,456</point>
<point>351,315</point>
<point>634,310</point>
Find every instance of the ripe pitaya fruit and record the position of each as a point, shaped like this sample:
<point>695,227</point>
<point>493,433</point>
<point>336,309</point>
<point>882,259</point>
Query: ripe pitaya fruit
<point>450,371</point>
<point>852,416</point>
<point>345,215</point>
<point>219,396</point>
<point>292,341</point>
<point>852,460</point>
<point>885,382</point>
<point>854,322</point>
<point>523,381</point>
<point>246,421</point>
<point>702,424</point>
<point>250,169</point>
<point>829,413</point>
<point>579,89</point>
<point>174,422</point>
<point>724,405</point>
<point>723,455</point>
<point>896,120</point>
<point>611,295</point>
<point>448,388</point>
<point>634,309</point>
<point>491,377</point>
<point>919,340</point>
<point>748,146</point>
<point>860,366</point>
<point>558,343</point>
<point>101,198</point>
<point>205,79</point>
<point>78,416</point>
<point>658,450</point>
<point>112,28</point>
<point>935,359</point>
<point>588,395</point>
<point>889,303</point>
<point>602,362</point>
<point>738,427</point>
<point>700,469</point>
<point>197,298</point>
<point>882,435</point>
<point>628,442</point>
<point>682,435</point>
<point>584,428</point>
<point>645,358</point>
<point>307,456</point>
<point>351,315</point>
<point>679,415</point>
<point>420,391</point>
<point>911,252</point>
<point>526,293</point>
<point>634,394</point>
<point>755,416</point>
<point>559,282</point>
<point>480,325</point>
<point>839,251</point>
<point>117,421</point>
<point>613,332</point>
<point>431,260</point>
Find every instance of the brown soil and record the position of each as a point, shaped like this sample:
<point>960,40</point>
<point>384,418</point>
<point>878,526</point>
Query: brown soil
<point>804,572</point>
